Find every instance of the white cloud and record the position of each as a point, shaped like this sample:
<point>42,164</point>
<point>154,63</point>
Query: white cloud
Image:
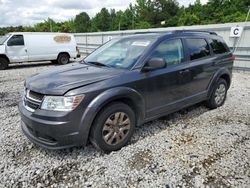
<point>29,12</point>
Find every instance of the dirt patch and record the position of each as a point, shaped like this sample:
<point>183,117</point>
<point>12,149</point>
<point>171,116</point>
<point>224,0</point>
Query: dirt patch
<point>140,160</point>
<point>63,173</point>
<point>184,139</point>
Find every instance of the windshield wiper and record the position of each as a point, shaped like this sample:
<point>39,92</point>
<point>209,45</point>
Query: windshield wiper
<point>98,63</point>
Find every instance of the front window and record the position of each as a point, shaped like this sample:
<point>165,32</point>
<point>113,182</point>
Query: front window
<point>171,51</point>
<point>16,40</point>
<point>4,38</point>
<point>119,53</point>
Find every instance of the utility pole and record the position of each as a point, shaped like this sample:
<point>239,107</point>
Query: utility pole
<point>237,43</point>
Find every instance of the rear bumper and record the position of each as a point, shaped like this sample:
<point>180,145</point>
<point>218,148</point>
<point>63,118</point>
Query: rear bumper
<point>58,131</point>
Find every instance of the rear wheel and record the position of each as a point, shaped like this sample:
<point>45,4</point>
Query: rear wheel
<point>3,63</point>
<point>218,95</point>
<point>113,127</point>
<point>63,59</point>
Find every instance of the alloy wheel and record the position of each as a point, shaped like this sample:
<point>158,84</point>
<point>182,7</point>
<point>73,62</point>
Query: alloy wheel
<point>116,128</point>
<point>220,94</point>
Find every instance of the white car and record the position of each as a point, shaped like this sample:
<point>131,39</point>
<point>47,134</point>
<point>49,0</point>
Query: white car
<point>26,47</point>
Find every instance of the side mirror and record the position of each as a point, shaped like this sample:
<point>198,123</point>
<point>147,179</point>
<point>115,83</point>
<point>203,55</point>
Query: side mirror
<point>154,64</point>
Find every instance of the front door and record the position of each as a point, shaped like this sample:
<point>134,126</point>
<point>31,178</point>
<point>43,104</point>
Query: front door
<point>165,87</point>
<point>16,49</point>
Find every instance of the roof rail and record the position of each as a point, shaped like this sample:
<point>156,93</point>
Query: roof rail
<point>195,31</point>
<point>146,32</point>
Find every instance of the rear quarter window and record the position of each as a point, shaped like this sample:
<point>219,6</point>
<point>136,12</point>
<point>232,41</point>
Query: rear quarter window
<point>218,46</point>
<point>198,48</point>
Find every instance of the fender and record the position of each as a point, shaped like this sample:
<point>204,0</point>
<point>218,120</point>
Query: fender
<point>106,97</point>
<point>222,71</point>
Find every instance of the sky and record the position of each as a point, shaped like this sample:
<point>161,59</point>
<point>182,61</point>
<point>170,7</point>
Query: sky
<point>30,12</point>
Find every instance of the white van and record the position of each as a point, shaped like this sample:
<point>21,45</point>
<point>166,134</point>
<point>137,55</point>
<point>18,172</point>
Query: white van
<point>26,47</point>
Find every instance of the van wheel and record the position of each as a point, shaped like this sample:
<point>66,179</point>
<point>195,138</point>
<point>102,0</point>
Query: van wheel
<point>63,59</point>
<point>218,95</point>
<point>113,127</point>
<point>3,63</point>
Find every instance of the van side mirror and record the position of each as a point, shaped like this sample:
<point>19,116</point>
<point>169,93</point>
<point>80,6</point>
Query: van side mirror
<point>154,64</point>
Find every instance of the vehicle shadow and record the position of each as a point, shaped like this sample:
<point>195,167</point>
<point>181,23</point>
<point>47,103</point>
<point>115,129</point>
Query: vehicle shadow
<point>163,123</point>
<point>141,131</point>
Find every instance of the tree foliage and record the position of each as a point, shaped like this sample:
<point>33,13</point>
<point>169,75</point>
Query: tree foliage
<point>82,22</point>
<point>146,14</point>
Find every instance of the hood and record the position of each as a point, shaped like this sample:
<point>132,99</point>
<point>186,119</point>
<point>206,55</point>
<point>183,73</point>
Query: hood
<point>2,49</point>
<point>58,81</point>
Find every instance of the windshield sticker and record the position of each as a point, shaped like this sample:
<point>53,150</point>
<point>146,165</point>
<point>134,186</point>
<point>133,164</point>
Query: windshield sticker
<point>141,43</point>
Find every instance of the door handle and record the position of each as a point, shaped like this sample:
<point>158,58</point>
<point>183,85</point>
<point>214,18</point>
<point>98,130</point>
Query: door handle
<point>26,50</point>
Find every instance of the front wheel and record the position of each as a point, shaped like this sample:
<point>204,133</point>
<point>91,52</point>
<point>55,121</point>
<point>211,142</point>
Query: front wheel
<point>3,63</point>
<point>113,127</point>
<point>218,95</point>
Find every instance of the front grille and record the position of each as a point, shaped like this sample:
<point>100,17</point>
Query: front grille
<point>35,95</point>
<point>31,104</point>
<point>32,100</point>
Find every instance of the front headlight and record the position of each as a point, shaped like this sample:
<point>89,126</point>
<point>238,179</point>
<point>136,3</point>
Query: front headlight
<point>61,103</point>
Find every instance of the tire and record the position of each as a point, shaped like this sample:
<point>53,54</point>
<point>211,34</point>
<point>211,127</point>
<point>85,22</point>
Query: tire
<point>218,95</point>
<point>3,63</point>
<point>63,59</point>
<point>113,127</point>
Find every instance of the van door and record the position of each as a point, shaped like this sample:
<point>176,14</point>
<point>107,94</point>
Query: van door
<point>16,49</point>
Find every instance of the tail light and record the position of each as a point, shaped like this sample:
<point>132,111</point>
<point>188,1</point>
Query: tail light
<point>77,49</point>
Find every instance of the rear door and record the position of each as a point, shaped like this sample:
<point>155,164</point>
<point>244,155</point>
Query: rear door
<point>200,66</point>
<point>16,49</point>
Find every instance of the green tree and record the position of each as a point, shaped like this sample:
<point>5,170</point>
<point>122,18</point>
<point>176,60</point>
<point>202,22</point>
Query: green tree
<point>81,23</point>
<point>165,10</point>
<point>144,11</point>
<point>142,25</point>
<point>188,19</point>
<point>102,21</point>
<point>68,26</point>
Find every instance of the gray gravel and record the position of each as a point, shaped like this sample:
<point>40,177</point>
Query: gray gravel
<point>191,148</point>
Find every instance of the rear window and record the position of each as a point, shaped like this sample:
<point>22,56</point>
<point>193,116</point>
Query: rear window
<point>218,47</point>
<point>198,48</point>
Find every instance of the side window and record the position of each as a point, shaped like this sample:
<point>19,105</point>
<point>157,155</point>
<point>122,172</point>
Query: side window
<point>198,48</point>
<point>171,51</point>
<point>16,40</point>
<point>218,46</point>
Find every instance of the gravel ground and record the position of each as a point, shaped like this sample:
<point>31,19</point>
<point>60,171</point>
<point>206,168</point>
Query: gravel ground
<point>191,148</point>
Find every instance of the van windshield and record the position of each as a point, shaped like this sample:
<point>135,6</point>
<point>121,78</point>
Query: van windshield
<point>4,38</point>
<point>119,53</point>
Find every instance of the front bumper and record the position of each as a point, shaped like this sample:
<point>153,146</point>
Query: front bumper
<point>53,130</point>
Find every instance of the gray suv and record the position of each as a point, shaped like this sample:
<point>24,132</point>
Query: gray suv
<point>126,82</point>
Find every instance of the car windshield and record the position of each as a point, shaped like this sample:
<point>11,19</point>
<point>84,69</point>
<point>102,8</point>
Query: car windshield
<point>3,38</point>
<point>119,53</point>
